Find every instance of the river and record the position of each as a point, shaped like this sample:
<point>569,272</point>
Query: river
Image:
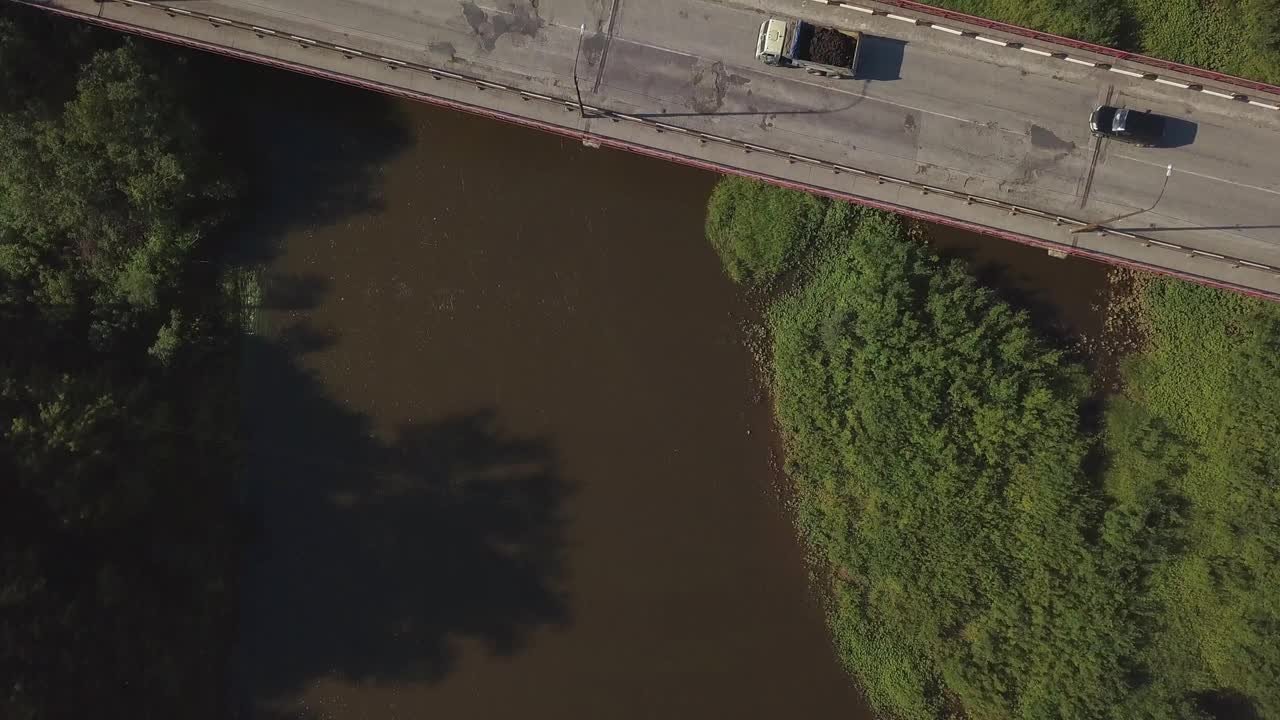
<point>509,456</point>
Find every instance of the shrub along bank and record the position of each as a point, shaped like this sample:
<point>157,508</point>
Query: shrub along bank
<point>979,562</point>
<point>1240,37</point>
<point>761,231</point>
<point>1194,472</point>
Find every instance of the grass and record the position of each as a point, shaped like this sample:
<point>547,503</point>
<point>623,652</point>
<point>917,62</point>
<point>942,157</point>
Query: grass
<point>985,556</point>
<point>1239,37</point>
<point>761,231</point>
<point>1193,453</point>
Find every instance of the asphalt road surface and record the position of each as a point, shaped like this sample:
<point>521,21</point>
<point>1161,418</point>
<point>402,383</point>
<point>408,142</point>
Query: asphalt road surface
<point>927,106</point>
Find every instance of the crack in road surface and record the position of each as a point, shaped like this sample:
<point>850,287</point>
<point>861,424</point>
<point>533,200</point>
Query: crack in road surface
<point>708,92</point>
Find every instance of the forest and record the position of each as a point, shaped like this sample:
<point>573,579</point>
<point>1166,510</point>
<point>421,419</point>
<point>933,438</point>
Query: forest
<point>119,438</point>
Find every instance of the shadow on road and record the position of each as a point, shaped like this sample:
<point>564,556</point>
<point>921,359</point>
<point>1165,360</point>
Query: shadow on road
<point>1178,133</point>
<point>757,113</point>
<point>880,59</point>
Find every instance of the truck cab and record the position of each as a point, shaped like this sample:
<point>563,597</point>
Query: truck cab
<point>773,41</point>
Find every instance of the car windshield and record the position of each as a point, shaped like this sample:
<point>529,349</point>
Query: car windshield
<point>1118,124</point>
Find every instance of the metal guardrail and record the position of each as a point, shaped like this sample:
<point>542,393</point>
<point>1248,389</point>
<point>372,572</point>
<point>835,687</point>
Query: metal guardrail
<point>661,127</point>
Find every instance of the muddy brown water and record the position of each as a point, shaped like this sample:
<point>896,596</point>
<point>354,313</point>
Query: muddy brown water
<point>508,457</point>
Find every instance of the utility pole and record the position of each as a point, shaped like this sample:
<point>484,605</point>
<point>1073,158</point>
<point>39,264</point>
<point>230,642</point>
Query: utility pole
<point>1095,226</point>
<point>582,29</point>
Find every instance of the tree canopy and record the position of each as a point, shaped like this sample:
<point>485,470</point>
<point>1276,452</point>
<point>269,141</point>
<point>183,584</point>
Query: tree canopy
<point>117,430</point>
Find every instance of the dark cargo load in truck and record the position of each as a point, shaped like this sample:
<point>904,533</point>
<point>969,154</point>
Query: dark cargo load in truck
<point>823,45</point>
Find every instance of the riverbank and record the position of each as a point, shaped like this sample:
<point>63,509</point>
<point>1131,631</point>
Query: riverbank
<point>986,550</point>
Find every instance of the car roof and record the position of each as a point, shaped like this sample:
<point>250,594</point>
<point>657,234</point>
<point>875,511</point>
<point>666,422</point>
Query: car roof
<point>1141,121</point>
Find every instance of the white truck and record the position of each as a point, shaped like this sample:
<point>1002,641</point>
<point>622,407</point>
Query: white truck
<point>825,51</point>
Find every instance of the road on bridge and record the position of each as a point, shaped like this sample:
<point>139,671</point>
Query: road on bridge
<point>929,106</point>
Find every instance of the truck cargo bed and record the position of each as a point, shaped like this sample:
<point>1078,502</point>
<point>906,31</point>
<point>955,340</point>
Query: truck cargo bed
<point>827,46</point>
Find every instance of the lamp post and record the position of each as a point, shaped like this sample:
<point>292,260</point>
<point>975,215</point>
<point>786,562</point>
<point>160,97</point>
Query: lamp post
<point>1094,226</point>
<point>582,29</point>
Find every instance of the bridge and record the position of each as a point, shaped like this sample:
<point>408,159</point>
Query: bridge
<point>951,118</point>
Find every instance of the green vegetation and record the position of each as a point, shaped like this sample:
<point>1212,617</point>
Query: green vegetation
<point>1241,37</point>
<point>761,231</point>
<point>986,555</point>
<point>117,404</point>
<point>934,442</point>
<point>1194,459</point>
<point>1096,21</point>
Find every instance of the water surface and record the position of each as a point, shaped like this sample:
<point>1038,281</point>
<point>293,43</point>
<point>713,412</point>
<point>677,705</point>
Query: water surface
<point>509,458</point>
<point>509,455</point>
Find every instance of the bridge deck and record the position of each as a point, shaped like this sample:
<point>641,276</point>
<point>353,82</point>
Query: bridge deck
<point>980,128</point>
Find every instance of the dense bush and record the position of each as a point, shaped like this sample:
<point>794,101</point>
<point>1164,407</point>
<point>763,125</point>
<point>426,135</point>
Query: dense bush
<point>1241,37</point>
<point>986,557</point>
<point>1097,21</point>
<point>761,231</point>
<point>103,196</point>
<point>1194,460</point>
<point>117,426</point>
<point>934,443</point>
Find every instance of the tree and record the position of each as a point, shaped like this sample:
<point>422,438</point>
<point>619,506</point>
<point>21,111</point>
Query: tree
<point>103,202</point>
<point>117,404</point>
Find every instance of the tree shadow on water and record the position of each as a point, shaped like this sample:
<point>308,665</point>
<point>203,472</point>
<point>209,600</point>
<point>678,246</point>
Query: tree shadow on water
<point>313,150</point>
<point>377,560</point>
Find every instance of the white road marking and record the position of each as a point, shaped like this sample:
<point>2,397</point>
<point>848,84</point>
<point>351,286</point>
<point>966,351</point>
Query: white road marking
<point>1203,176</point>
<point>651,46</point>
